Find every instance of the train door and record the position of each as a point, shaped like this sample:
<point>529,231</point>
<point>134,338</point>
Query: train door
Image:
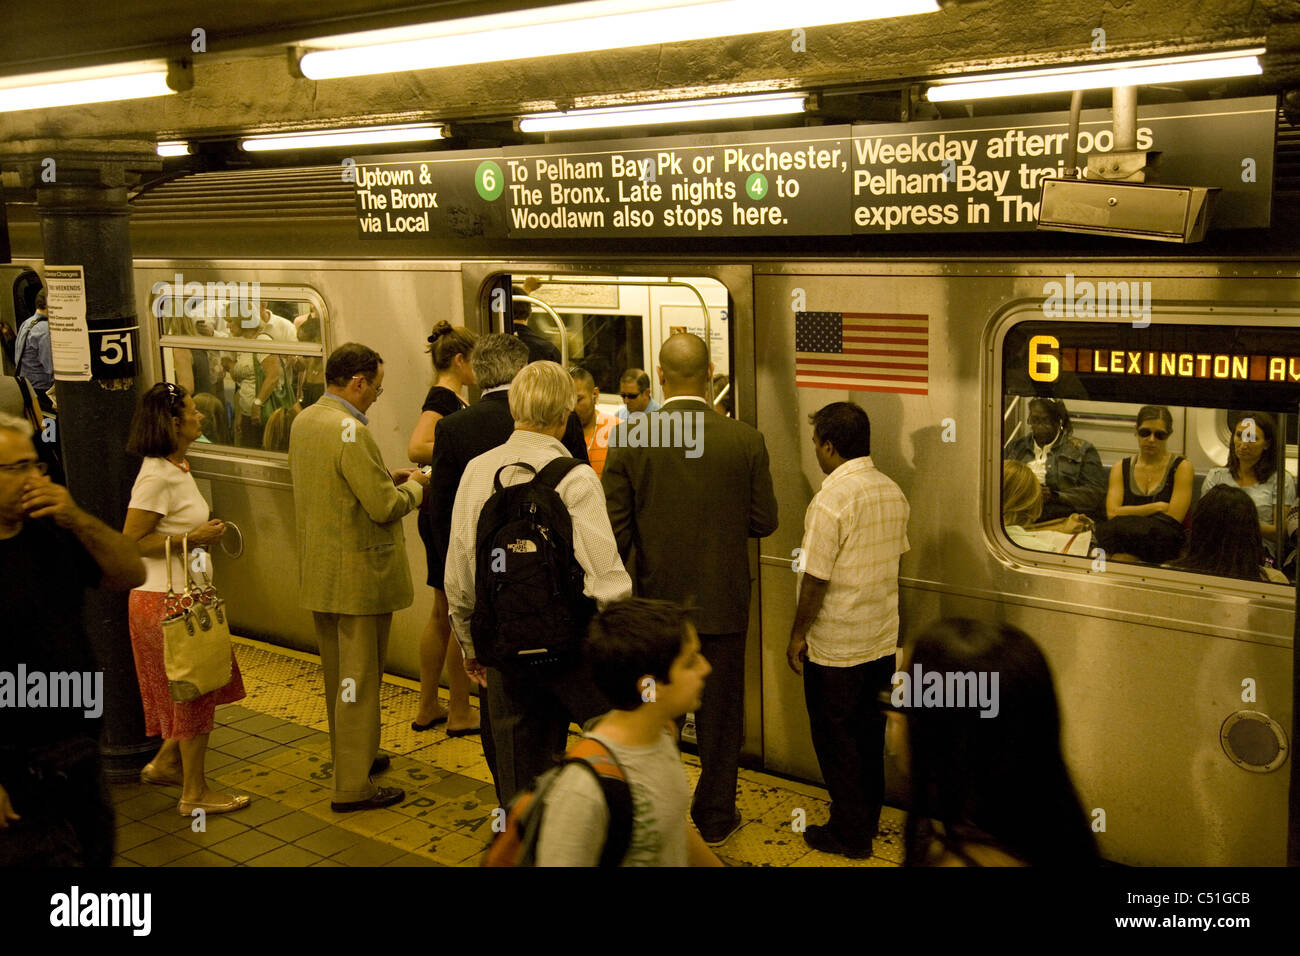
<point>608,321</point>
<point>16,306</point>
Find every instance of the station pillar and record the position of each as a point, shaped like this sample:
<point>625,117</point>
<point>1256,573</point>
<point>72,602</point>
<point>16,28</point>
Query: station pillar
<point>81,190</point>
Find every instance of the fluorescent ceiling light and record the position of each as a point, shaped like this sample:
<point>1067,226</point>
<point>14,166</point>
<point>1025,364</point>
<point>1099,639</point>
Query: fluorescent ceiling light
<point>1102,76</point>
<point>684,112</point>
<point>579,28</point>
<point>422,133</point>
<point>122,81</point>
<point>174,149</point>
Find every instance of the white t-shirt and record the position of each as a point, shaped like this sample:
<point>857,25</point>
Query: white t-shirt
<point>165,489</point>
<point>577,818</point>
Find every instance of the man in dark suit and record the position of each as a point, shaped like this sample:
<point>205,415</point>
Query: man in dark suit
<point>464,435</point>
<point>688,488</point>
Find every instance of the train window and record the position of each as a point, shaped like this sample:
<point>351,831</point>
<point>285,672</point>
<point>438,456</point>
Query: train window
<point>252,355</point>
<point>1164,445</point>
<point>609,324</point>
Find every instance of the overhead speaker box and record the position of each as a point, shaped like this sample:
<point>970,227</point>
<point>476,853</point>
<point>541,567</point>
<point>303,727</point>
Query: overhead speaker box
<point>1127,210</point>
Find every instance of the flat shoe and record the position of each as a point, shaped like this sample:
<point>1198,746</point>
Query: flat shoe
<point>235,802</point>
<point>464,732</point>
<point>420,728</point>
<point>150,775</point>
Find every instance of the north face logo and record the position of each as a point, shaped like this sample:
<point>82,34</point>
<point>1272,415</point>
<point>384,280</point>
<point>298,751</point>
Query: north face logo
<point>522,546</point>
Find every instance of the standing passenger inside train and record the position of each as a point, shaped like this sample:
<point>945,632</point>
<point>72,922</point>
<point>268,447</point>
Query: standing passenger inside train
<point>352,562</point>
<point>532,704</point>
<point>311,371</point>
<point>450,349</point>
<point>1149,495</point>
<point>690,512</point>
<point>988,784</point>
<point>845,628</point>
<point>1225,540</point>
<point>634,389</point>
<point>1068,469</point>
<point>1252,467</point>
<point>255,376</point>
<point>596,424</point>
<point>166,506</point>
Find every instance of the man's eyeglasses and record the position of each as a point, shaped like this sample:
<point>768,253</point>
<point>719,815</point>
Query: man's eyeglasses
<point>18,467</point>
<point>1148,432</point>
<point>629,398</point>
<point>378,391</point>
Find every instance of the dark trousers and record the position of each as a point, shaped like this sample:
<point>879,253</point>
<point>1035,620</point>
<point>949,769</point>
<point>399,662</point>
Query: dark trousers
<point>848,734</point>
<point>719,732</point>
<point>531,709</point>
<point>67,816</point>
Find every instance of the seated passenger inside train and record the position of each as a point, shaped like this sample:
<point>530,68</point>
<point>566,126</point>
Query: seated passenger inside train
<point>988,783</point>
<point>1225,539</point>
<point>1149,495</point>
<point>1252,467</point>
<point>1067,468</point>
<point>1022,505</point>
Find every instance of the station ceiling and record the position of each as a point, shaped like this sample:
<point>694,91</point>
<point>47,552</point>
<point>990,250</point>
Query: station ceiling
<point>243,81</point>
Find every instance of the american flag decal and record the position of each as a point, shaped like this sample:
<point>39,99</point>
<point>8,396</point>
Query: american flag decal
<point>862,351</point>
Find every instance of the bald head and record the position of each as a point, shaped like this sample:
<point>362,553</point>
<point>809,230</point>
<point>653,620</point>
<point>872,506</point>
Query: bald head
<point>684,366</point>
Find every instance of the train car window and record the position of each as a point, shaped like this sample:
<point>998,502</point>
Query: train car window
<point>252,361</point>
<point>1164,445</point>
<point>615,323</point>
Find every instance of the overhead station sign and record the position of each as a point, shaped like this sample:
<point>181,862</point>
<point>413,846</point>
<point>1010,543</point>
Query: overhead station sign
<point>977,175</point>
<point>784,182</point>
<point>985,174</point>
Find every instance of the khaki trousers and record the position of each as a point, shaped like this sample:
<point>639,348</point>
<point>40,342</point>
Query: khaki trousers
<point>352,649</point>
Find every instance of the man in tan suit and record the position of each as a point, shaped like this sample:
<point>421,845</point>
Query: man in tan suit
<point>352,560</point>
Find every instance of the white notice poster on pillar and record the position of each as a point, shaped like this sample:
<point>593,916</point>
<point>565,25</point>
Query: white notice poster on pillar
<point>65,289</point>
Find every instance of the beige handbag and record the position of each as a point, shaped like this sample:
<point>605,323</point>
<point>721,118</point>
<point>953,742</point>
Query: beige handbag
<point>196,635</point>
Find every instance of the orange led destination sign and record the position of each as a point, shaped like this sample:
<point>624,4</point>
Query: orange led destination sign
<point>1047,360</point>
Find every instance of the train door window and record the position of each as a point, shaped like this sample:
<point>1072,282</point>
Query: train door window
<point>609,325</point>
<point>1165,445</point>
<point>253,356</point>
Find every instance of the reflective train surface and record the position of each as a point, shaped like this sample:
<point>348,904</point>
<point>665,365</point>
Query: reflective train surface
<point>1175,688</point>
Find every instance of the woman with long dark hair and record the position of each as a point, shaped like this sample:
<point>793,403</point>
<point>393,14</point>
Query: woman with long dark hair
<point>988,784</point>
<point>1251,467</point>
<point>1225,538</point>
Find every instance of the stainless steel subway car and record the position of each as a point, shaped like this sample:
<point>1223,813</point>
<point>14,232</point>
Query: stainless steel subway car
<point>1175,688</point>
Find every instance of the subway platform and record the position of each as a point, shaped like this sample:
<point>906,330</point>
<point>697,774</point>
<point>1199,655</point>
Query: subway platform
<point>274,745</point>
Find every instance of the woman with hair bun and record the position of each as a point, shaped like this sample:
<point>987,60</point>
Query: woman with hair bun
<point>450,348</point>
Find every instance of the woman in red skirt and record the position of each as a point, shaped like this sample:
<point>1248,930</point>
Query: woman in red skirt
<point>166,503</point>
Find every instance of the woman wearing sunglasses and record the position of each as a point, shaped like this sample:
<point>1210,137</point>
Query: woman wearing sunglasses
<point>1149,496</point>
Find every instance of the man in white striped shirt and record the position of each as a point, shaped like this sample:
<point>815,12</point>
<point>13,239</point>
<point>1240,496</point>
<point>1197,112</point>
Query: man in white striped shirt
<point>530,710</point>
<point>846,624</point>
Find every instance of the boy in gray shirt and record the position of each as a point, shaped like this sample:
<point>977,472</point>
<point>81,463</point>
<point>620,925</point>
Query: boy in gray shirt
<point>645,657</point>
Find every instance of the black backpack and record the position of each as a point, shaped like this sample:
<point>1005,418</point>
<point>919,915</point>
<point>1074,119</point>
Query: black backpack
<point>529,606</point>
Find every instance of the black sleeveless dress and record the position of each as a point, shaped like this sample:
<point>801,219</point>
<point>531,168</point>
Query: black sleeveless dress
<point>1155,539</point>
<point>445,402</point>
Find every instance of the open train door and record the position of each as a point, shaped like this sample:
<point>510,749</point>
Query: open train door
<point>609,317</point>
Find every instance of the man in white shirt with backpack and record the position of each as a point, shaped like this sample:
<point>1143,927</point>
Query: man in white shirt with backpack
<point>532,699</point>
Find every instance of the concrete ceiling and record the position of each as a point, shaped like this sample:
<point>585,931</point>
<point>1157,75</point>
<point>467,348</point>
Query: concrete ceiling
<point>244,82</point>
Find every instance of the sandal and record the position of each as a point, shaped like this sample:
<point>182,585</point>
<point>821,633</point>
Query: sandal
<point>230,805</point>
<point>150,774</point>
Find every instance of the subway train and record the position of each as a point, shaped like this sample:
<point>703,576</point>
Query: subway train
<point>1175,688</point>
